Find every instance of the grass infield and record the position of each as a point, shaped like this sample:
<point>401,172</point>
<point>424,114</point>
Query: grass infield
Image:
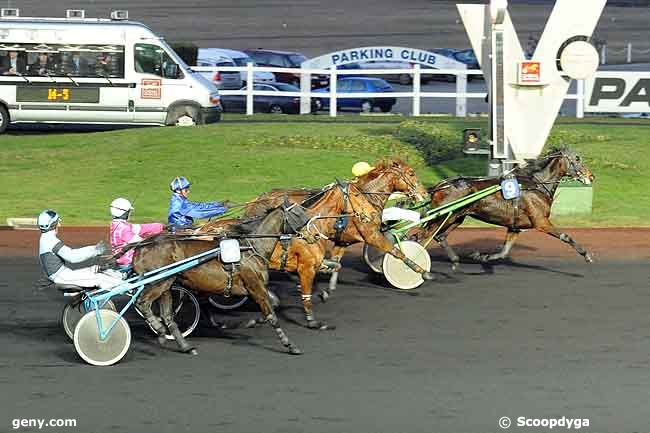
<point>78,174</point>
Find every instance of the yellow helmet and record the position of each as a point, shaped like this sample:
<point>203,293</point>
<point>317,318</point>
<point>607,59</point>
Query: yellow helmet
<point>361,168</point>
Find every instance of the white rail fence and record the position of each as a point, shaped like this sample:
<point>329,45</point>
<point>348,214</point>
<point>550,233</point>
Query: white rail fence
<point>461,95</point>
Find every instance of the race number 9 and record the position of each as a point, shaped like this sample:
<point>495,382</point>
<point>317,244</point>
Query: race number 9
<point>510,189</point>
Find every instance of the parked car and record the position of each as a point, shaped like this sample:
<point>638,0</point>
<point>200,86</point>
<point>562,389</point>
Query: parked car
<point>268,104</point>
<point>285,59</point>
<point>360,85</point>
<point>222,79</point>
<point>469,58</point>
<point>405,78</point>
<point>241,59</point>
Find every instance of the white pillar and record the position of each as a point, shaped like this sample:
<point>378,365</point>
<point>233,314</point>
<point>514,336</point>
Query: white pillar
<point>629,52</point>
<point>416,89</point>
<point>580,101</point>
<point>333,91</point>
<point>250,82</point>
<point>603,54</point>
<point>305,98</point>
<point>461,101</point>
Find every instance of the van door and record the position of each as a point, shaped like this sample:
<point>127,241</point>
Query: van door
<point>159,82</point>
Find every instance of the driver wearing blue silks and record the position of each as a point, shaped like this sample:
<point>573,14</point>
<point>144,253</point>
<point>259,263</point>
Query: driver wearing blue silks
<point>182,211</point>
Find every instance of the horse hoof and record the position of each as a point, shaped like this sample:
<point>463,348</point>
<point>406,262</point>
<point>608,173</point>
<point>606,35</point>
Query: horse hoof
<point>324,296</point>
<point>193,352</point>
<point>455,267</point>
<point>251,323</point>
<point>162,340</point>
<point>588,258</point>
<point>293,350</point>
<point>428,276</point>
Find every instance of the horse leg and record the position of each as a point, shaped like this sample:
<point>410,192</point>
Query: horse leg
<point>511,238</point>
<point>451,254</point>
<point>547,227</point>
<point>255,287</point>
<point>144,303</point>
<point>378,241</point>
<point>307,273</point>
<point>334,266</point>
<point>168,317</point>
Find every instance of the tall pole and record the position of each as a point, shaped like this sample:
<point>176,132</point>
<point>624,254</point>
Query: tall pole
<point>499,146</point>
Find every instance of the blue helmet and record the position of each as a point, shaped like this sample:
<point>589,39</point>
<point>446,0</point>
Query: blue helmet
<point>179,183</point>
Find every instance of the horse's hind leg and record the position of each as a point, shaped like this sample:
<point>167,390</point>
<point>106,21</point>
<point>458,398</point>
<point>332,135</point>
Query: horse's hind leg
<point>334,266</point>
<point>255,287</point>
<point>144,303</point>
<point>548,228</point>
<point>168,317</point>
<point>511,238</point>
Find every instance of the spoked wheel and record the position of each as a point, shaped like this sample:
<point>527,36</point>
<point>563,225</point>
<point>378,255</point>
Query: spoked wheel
<point>74,311</point>
<point>373,257</point>
<point>185,309</point>
<point>95,350</point>
<point>227,303</point>
<point>401,276</point>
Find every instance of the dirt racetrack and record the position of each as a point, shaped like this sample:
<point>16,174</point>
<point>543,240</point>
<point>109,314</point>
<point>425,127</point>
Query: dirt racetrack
<point>536,337</point>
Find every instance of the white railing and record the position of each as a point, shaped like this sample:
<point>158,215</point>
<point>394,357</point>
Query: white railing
<point>628,51</point>
<point>461,94</point>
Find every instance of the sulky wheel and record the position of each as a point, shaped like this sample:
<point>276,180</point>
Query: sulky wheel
<point>95,350</point>
<point>186,311</point>
<point>221,302</point>
<point>74,311</point>
<point>373,257</point>
<point>401,276</point>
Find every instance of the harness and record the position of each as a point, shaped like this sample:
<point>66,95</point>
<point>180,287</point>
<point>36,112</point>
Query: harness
<point>342,221</point>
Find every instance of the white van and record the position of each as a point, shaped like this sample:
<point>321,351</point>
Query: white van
<point>76,70</point>
<point>241,59</point>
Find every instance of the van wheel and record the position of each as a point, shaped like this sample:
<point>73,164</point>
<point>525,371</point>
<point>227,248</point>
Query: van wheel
<point>4,119</point>
<point>366,106</point>
<point>185,115</point>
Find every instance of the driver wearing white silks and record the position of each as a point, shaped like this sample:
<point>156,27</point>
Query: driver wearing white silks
<point>55,255</point>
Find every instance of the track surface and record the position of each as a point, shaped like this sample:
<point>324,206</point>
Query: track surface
<point>533,337</point>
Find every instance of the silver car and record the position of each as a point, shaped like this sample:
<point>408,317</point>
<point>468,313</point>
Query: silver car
<point>222,79</point>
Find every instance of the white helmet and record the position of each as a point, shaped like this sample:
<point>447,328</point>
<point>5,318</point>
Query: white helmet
<point>47,220</point>
<point>120,208</point>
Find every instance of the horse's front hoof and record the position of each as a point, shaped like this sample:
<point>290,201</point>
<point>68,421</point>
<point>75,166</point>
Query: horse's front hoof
<point>588,258</point>
<point>324,296</point>
<point>428,276</point>
<point>293,350</point>
<point>193,352</point>
<point>320,326</point>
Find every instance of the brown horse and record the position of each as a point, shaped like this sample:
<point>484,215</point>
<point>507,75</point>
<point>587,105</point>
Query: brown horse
<point>249,278</point>
<point>539,180</point>
<point>341,215</point>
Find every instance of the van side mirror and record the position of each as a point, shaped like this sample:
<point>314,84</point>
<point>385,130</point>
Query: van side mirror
<point>172,70</point>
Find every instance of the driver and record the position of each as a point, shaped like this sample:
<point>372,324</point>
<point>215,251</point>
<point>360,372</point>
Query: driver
<point>123,232</point>
<point>182,211</point>
<point>55,255</point>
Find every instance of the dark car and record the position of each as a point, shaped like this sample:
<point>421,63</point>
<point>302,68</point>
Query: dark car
<point>285,59</point>
<point>360,85</point>
<point>403,78</point>
<point>469,58</point>
<point>267,103</point>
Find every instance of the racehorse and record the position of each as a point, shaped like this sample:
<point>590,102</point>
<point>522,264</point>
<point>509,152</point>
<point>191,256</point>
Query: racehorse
<point>538,179</point>
<point>249,278</point>
<point>340,215</point>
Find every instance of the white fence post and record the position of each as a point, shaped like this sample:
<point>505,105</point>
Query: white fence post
<point>333,91</point>
<point>580,99</point>
<point>629,52</point>
<point>603,54</point>
<point>249,89</point>
<point>461,98</point>
<point>416,89</point>
<point>305,88</point>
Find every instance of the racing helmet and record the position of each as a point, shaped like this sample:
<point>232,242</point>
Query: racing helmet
<point>179,183</point>
<point>120,208</point>
<point>47,220</point>
<point>361,168</point>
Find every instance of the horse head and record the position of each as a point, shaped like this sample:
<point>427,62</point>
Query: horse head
<point>573,165</point>
<point>393,176</point>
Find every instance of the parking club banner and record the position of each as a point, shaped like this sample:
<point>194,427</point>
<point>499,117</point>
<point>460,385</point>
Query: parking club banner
<point>385,54</point>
